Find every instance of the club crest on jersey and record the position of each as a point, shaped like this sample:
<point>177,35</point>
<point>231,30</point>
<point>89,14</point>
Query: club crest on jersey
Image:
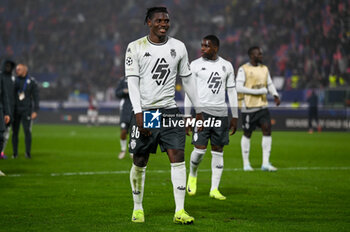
<point>214,82</point>
<point>128,61</point>
<point>133,143</point>
<point>173,53</point>
<point>160,71</point>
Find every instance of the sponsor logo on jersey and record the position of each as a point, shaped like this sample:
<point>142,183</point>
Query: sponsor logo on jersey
<point>160,71</point>
<point>214,82</point>
<point>151,119</point>
<point>147,54</point>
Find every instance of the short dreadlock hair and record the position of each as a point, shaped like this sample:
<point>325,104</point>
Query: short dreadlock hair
<point>151,11</point>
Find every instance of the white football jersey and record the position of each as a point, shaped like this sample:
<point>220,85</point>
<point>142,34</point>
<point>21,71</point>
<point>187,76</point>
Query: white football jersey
<point>157,66</point>
<point>212,78</point>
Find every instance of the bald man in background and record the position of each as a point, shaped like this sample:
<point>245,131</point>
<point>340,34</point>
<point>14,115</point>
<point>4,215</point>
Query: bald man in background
<point>26,108</point>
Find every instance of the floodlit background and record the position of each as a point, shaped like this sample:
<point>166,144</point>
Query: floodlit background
<point>75,182</point>
<point>76,48</point>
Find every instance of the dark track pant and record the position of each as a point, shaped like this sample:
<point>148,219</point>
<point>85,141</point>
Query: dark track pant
<point>25,119</point>
<point>313,114</point>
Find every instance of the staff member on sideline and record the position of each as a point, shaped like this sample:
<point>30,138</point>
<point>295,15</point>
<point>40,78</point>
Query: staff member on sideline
<point>26,107</point>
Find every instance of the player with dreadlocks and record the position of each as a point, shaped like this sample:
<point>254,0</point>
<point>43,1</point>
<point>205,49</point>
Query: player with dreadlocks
<point>151,66</point>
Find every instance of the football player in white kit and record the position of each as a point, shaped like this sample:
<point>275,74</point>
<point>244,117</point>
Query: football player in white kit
<point>214,77</point>
<point>151,66</point>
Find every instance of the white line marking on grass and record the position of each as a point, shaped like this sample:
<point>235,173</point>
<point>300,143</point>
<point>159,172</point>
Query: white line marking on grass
<point>166,171</point>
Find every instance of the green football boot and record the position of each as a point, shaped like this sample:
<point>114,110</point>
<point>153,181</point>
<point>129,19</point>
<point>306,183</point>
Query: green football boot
<point>182,217</point>
<point>191,185</point>
<point>138,216</point>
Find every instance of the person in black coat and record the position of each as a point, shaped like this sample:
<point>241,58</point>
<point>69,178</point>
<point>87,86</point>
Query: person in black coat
<point>26,108</point>
<point>313,111</point>
<point>4,103</point>
<point>8,78</point>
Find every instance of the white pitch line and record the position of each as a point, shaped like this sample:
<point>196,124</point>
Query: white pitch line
<point>167,171</point>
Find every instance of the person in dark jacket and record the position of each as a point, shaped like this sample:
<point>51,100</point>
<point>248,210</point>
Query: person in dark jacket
<point>313,111</point>
<point>4,108</point>
<point>8,78</point>
<point>122,93</point>
<point>26,107</point>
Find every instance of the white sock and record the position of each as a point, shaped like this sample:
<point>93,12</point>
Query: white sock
<point>123,144</point>
<point>245,146</point>
<point>196,158</point>
<point>266,148</point>
<point>6,138</point>
<point>217,166</point>
<point>178,178</point>
<point>137,181</point>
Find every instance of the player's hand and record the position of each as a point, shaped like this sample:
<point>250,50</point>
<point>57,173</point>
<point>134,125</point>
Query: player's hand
<point>233,126</point>
<point>7,119</point>
<point>277,100</point>
<point>199,117</point>
<point>34,115</point>
<point>139,122</point>
<point>188,128</point>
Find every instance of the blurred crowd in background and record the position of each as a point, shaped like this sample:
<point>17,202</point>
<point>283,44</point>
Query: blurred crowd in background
<point>78,46</point>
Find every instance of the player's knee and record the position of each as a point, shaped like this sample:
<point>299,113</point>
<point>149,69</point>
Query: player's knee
<point>266,129</point>
<point>123,134</point>
<point>175,155</point>
<point>140,160</point>
<point>179,156</point>
<point>217,148</point>
<point>247,134</point>
<point>266,132</point>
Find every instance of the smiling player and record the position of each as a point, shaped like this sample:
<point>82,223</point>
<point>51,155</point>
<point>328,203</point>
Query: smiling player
<point>151,66</point>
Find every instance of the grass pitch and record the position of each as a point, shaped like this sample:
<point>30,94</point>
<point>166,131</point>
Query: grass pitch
<point>75,182</point>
